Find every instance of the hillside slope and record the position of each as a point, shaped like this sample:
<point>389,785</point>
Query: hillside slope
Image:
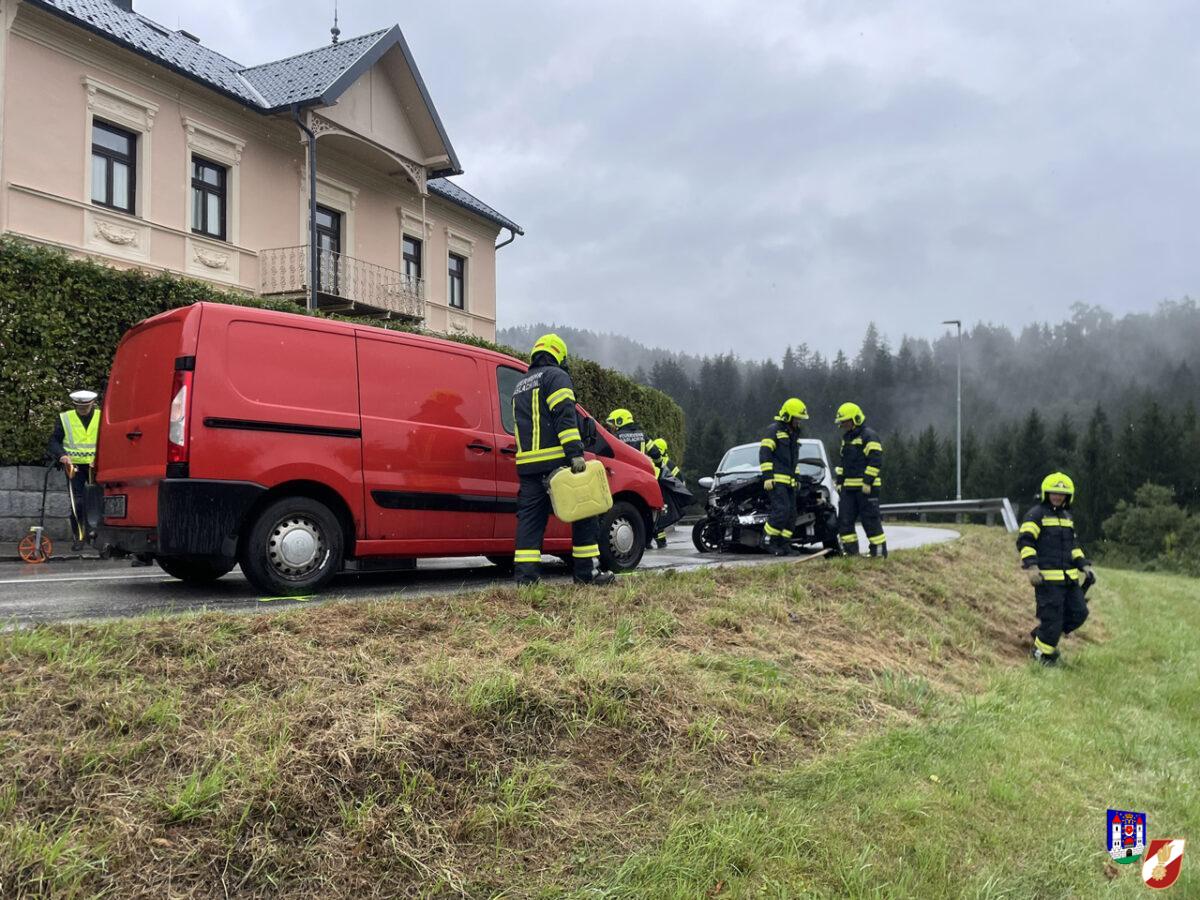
<point>485,742</point>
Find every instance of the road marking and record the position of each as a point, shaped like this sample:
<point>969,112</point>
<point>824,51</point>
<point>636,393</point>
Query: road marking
<point>59,579</point>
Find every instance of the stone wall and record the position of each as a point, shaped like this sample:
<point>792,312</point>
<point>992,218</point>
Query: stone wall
<point>21,503</point>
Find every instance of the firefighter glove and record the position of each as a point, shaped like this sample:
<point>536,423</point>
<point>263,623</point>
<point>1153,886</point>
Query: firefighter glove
<point>578,464</point>
<point>769,485</point>
<point>866,489</point>
<point>1035,577</point>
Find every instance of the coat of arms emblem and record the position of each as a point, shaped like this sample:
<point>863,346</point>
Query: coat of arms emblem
<point>1126,835</point>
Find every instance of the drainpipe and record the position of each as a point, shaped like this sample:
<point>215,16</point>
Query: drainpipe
<point>312,208</point>
<point>512,236</point>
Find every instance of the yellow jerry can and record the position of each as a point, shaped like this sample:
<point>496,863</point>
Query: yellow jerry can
<point>581,496</point>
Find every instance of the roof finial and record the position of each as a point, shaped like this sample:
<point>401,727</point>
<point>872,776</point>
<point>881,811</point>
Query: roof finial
<point>335,31</point>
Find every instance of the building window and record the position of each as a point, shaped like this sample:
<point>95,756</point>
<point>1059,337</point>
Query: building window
<point>114,166</point>
<point>209,193</point>
<point>329,249</point>
<point>458,281</point>
<point>412,260</point>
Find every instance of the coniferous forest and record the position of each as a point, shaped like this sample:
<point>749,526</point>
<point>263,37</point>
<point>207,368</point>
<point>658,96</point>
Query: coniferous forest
<point>1111,400</point>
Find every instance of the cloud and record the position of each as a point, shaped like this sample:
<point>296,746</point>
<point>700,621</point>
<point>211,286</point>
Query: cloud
<point>743,175</point>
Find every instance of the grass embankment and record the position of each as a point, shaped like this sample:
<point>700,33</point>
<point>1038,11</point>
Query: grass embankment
<point>572,740</point>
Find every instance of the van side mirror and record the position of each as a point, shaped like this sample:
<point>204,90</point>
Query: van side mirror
<point>706,482</point>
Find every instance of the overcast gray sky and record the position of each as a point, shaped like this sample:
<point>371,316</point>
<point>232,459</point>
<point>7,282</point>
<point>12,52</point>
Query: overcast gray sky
<point>710,175</point>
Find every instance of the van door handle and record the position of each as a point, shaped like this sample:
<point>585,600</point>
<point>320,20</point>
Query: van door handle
<point>478,447</point>
<point>509,450</point>
<point>134,435</point>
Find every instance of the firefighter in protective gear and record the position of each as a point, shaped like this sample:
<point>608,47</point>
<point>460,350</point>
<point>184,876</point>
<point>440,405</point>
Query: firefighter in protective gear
<point>1056,566</point>
<point>667,471</point>
<point>778,455</point>
<point>620,422</point>
<point>73,449</point>
<point>858,478</point>
<point>548,438</point>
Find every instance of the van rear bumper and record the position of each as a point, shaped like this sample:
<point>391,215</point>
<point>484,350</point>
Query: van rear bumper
<point>197,517</point>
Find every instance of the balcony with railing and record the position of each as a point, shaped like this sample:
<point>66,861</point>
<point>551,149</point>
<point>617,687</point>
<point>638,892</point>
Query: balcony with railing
<point>343,283</point>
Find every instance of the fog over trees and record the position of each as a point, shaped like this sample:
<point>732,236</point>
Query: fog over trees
<point>1113,401</point>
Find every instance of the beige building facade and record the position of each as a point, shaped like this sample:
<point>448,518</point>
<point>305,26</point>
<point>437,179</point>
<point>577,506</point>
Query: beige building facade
<point>134,144</point>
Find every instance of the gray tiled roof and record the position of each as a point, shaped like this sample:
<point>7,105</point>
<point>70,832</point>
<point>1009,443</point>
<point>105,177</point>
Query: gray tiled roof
<point>307,75</point>
<point>443,187</point>
<point>306,78</point>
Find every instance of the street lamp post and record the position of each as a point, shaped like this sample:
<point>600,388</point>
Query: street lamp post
<point>958,438</point>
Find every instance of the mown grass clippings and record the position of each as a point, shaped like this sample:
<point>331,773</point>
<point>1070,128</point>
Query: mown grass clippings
<point>502,741</point>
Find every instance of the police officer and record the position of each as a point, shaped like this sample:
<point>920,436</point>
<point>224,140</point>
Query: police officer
<point>73,449</point>
<point>547,439</point>
<point>620,422</point>
<point>858,481</point>
<point>1056,566</point>
<point>778,455</point>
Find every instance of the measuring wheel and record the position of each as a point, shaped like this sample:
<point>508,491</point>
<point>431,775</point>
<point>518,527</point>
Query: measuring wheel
<point>35,547</point>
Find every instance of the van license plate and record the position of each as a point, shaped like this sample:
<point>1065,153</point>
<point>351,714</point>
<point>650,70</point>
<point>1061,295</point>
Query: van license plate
<point>114,506</point>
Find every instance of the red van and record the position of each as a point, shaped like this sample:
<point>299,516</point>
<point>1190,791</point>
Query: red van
<point>299,447</point>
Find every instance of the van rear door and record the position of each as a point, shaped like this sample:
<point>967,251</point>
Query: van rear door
<point>132,452</point>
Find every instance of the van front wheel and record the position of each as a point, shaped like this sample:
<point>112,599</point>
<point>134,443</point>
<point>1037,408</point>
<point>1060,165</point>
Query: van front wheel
<point>293,548</point>
<point>622,537</point>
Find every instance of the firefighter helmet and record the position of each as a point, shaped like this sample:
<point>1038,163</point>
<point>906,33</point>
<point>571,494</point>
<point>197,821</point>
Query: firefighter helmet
<point>619,418</point>
<point>849,411</point>
<point>661,444</point>
<point>1058,483</point>
<point>792,409</point>
<point>552,344</point>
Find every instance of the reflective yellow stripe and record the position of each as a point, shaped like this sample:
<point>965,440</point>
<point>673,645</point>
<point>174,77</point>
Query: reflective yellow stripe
<point>854,482</point>
<point>569,434</point>
<point>782,435</point>
<point>537,421</point>
<point>771,530</point>
<point>523,556</point>
<point>837,470</point>
<point>1059,574</point>
<point>1027,552</point>
<point>1050,522</point>
<point>766,467</point>
<point>1076,553</point>
<point>1032,528</point>
<point>872,471</point>
<point>1044,647</point>
<point>587,551</point>
<point>878,539</point>
<point>769,443</point>
<point>873,446</point>
<point>849,538</point>
<point>559,396</point>
<point>515,426</point>
<point>532,456</point>
<point>856,441</point>
<point>784,479</point>
<point>786,533</point>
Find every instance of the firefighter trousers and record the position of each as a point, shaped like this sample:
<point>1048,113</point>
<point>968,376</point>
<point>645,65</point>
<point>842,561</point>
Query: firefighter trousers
<point>533,510</point>
<point>781,515</point>
<point>855,506</point>
<point>1061,608</point>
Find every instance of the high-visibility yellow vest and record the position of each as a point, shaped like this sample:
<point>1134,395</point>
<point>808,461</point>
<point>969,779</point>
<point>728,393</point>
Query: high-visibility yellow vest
<point>79,442</point>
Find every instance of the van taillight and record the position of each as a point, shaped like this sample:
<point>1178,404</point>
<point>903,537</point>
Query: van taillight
<point>177,429</point>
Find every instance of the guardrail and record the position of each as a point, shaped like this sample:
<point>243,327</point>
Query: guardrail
<point>988,508</point>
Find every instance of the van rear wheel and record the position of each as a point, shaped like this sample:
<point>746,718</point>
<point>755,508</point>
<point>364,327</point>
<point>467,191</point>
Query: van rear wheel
<point>194,571</point>
<point>622,537</point>
<point>294,547</point>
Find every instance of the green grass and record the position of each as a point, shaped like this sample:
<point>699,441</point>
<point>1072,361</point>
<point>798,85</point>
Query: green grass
<point>820,728</point>
<point>998,795</point>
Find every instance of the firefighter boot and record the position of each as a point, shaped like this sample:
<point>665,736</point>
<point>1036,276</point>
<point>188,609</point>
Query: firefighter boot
<point>1044,653</point>
<point>879,550</point>
<point>779,546</point>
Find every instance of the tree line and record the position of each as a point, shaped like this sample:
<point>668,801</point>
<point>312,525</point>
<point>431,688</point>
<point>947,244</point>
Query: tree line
<point>1113,401</point>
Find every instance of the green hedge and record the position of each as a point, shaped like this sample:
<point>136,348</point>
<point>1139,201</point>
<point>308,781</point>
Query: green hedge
<point>61,319</point>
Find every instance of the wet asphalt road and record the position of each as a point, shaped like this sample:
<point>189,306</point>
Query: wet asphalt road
<point>77,590</point>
